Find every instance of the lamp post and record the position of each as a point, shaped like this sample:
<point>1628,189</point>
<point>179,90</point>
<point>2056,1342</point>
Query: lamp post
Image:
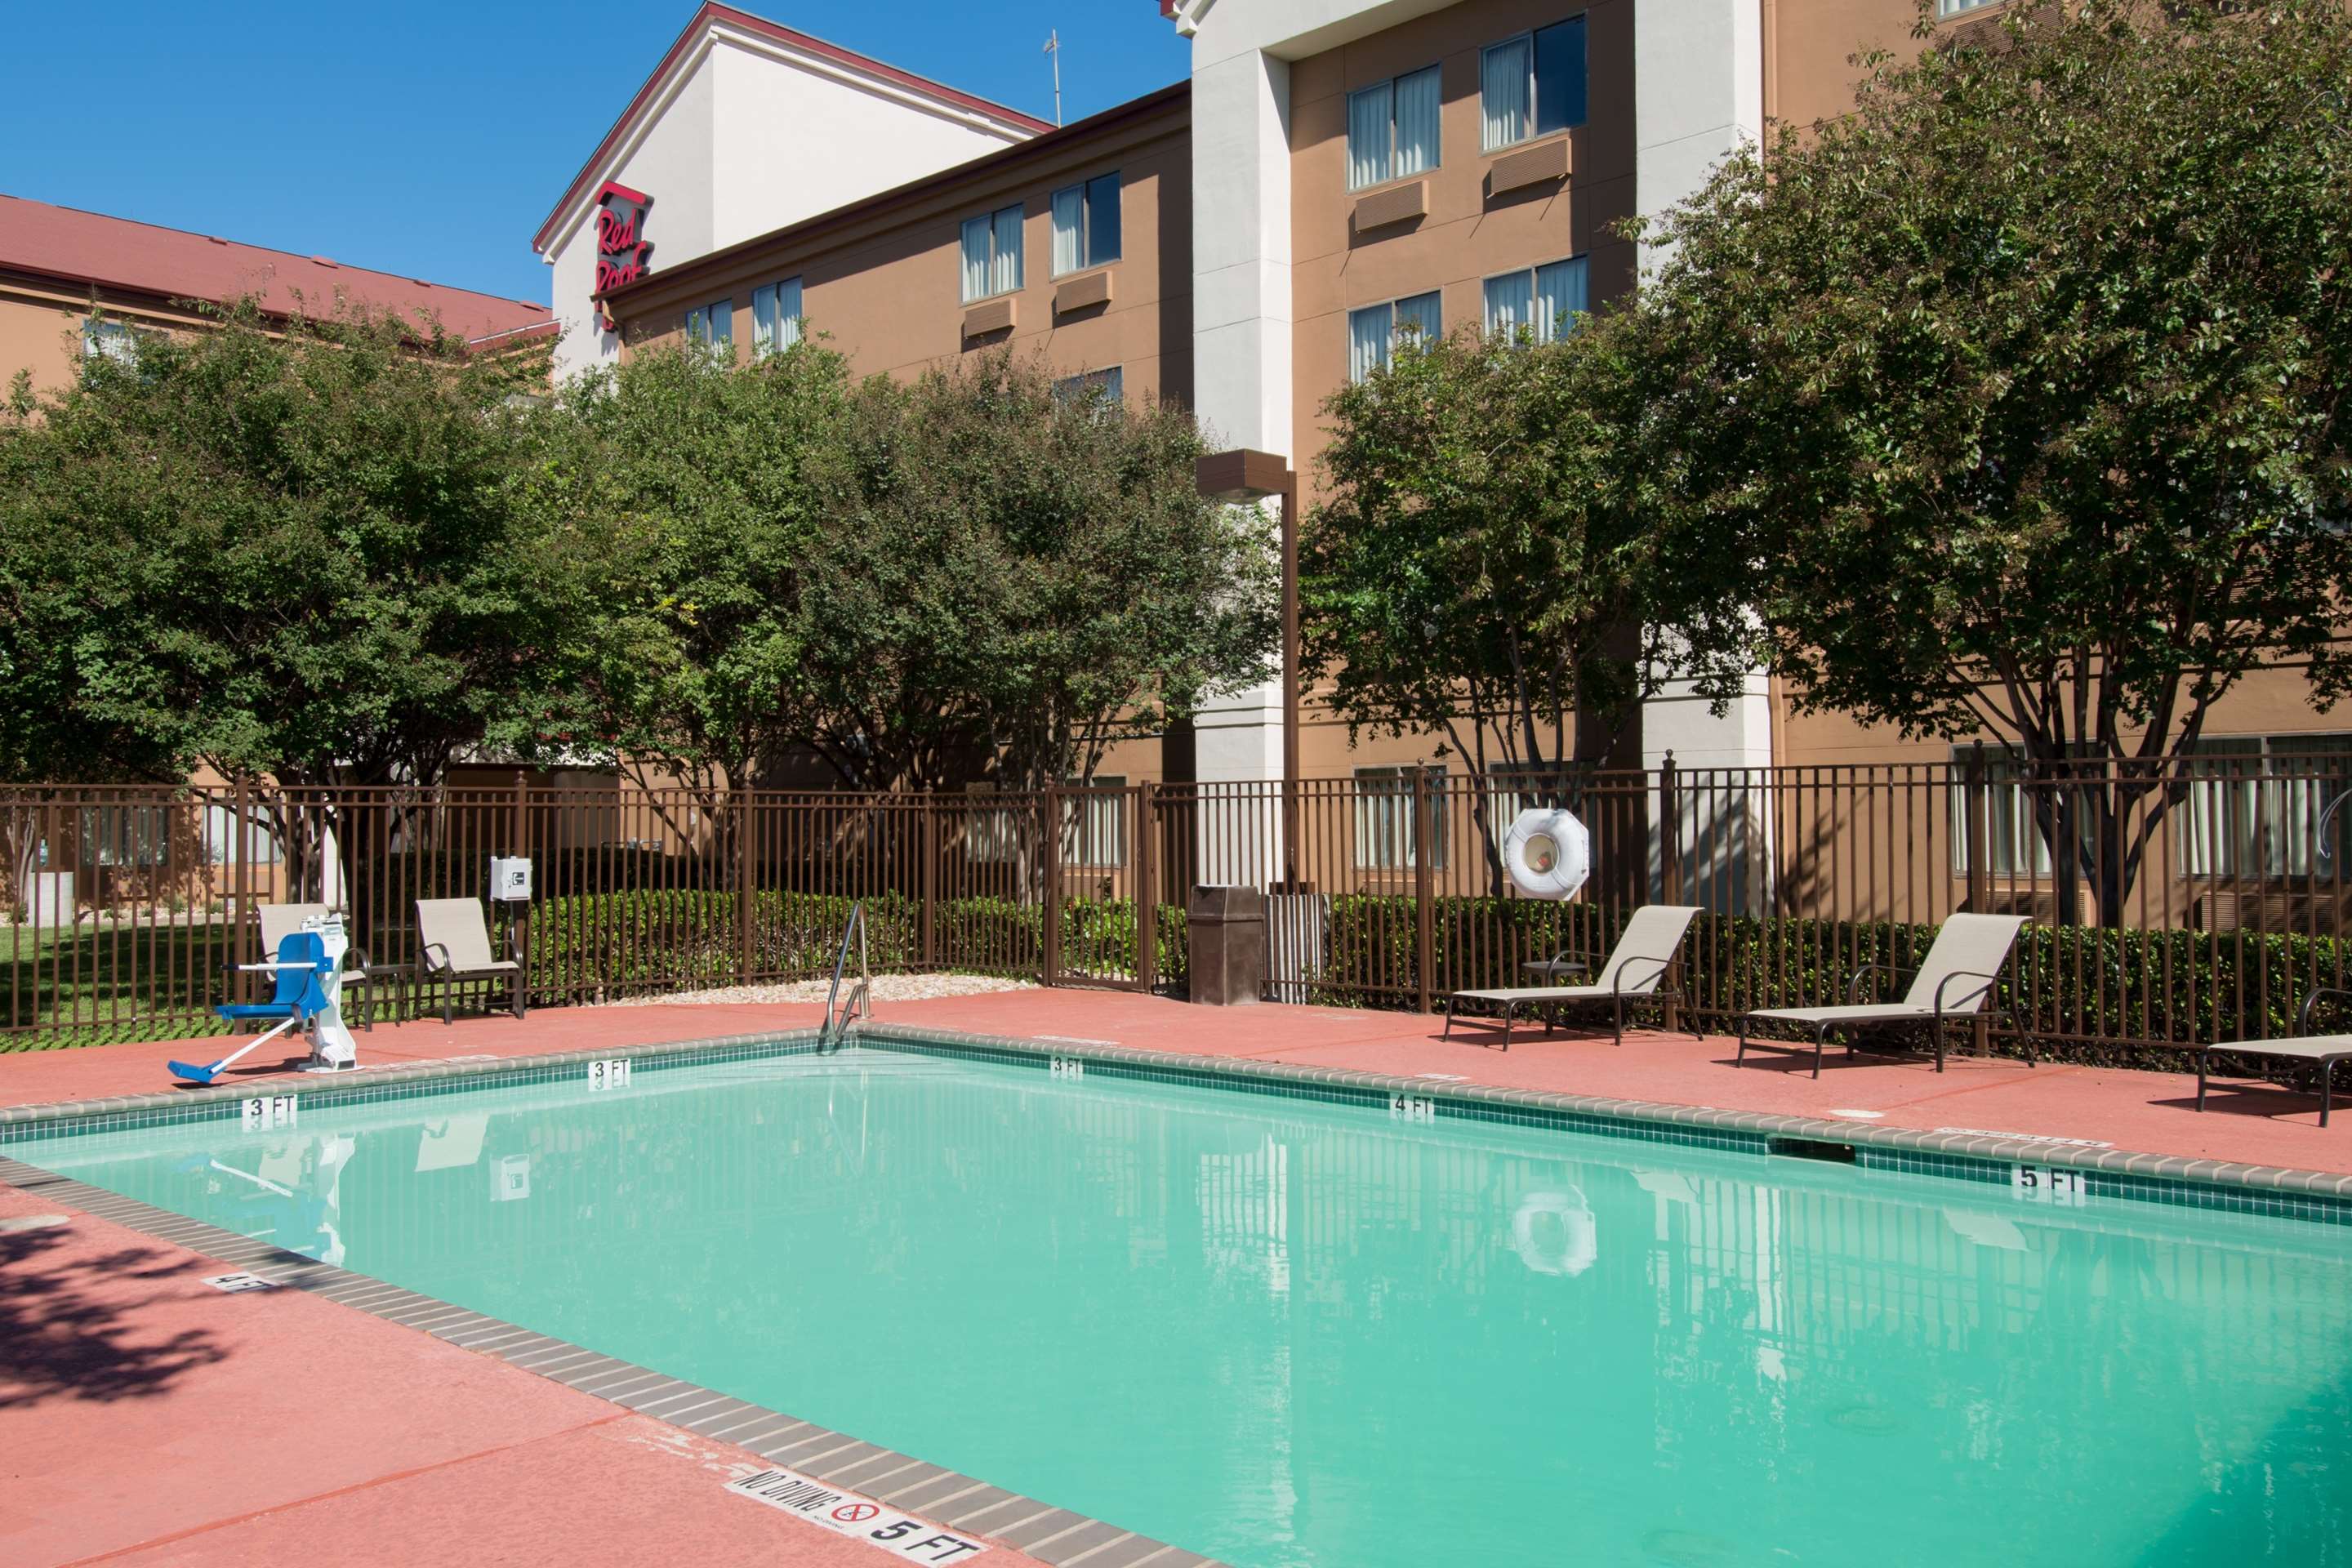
<point>1243,475</point>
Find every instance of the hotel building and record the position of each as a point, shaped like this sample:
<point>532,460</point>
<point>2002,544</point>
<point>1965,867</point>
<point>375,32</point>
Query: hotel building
<point>1242,242</point>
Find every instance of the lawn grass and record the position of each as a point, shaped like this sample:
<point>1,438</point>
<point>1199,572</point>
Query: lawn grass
<point>93,984</point>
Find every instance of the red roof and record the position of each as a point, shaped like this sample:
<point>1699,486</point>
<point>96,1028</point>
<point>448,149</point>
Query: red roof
<point>83,247</point>
<point>713,12</point>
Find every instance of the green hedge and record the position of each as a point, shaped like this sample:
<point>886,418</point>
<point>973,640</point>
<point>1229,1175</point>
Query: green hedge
<point>2123,989</point>
<point>615,942</point>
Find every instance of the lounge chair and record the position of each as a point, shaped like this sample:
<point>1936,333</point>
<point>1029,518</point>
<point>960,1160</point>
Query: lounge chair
<point>1953,981</point>
<point>1636,969</point>
<point>2322,1051</point>
<point>280,921</point>
<point>453,943</point>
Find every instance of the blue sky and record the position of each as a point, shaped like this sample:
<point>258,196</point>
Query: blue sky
<point>430,138</point>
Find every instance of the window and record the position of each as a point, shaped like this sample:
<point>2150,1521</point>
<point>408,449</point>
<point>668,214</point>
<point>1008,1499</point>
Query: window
<point>2257,803</point>
<point>990,833</point>
<point>103,339</point>
<point>1384,818</point>
<point>1372,331</point>
<point>1543,303</point>
<point>991,254</point>
<point>1533,84</point>
<point>1094,822</point>
<point>125,836</point>
<point>1107,387</point>
<point>2015,846</point>
<point>712,323</point>
<point>1392,128</point>
<point>1086,224</point>
<point>775,316</point>
<point>1954,7</point>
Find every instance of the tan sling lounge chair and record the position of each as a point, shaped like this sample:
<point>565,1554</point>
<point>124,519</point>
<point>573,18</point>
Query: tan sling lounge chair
<point>1955,981</point>
<point>1636,969</point>
<point>2322,1051</point>
<point>453,943</point>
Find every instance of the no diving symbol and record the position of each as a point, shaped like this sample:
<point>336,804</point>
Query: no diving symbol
<point>855,1513</point>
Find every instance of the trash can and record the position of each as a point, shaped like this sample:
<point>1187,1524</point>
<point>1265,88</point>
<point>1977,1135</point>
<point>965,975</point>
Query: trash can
<point>1226,928</point>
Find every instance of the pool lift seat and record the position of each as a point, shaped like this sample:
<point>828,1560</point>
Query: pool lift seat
<point>304,996</point>
<point>838,1016</point>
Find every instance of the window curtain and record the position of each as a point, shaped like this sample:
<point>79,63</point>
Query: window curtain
<point>788,312</point>
<point>1416,123</point>
<point>1560,75</point>
<point>1369,114</point>
<point>722,322</point>
<point>1367,340</point>
<point>1069,228</point>
<point>1560,298</point>
<point>1421,310</point>
<point>763,318</point>
<point>1503,72</point>
<point>1509,306</point>
<point>1102,219</point>
<point>1004,267</point>
<point>975,258</point>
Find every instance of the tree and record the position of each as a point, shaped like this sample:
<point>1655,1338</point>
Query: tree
<point>2014,403</point>
<point>1030,574</point>
<point>277,549</point>
<point>1482,567</point>
<point>700,490</point>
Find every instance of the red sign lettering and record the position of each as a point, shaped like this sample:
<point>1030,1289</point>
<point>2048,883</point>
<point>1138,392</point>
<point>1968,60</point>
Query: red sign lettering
<point>622,248</point>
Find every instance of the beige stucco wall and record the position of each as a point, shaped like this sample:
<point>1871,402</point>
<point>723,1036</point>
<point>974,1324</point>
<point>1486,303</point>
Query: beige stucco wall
<point>883,282</point>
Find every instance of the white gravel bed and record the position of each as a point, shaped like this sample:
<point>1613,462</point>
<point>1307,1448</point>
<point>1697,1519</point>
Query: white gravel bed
<point>886,988</point>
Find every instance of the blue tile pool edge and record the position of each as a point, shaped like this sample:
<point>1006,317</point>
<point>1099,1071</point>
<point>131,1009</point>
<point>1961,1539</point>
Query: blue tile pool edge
<point>2268,1190</point>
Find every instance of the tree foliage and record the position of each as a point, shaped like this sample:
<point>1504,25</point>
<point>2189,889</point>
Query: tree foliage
<point>697,492</point>
<point>969,576</point>
<point>2014,401</point>
<point>1483,567</point>
<point>1030,576</point>
<point>290,549</point>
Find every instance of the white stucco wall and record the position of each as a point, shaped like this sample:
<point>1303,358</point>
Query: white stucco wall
<point>748,134</point>
<point>1698,96</point>
<point>1242,311</point>
<point>670,160</point>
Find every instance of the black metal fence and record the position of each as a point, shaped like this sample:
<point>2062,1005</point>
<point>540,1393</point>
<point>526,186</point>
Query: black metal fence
<point>2171,903</point>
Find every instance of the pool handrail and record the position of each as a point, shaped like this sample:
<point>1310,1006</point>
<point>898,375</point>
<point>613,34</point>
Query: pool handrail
<point>861,999</point>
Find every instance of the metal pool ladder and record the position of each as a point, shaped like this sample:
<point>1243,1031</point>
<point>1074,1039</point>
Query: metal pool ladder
<point>861,996</point>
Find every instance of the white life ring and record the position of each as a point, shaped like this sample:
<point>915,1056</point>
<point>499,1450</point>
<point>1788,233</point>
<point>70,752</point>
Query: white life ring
<point>1548,853</point>
<point>1554,1232</point>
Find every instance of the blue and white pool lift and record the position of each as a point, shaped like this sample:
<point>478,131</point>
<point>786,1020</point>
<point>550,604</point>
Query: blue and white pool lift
<point>308,995</point>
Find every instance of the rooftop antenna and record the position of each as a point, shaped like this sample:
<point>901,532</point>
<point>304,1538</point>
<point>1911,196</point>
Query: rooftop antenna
<point>1054,48</point>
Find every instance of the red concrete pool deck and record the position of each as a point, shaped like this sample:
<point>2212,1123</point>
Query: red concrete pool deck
<point>146,1418</point>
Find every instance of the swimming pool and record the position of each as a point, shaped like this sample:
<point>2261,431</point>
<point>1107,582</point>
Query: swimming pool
<point>1280,1331</point>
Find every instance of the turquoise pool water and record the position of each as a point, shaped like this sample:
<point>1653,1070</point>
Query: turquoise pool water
<point>1280,1332</point>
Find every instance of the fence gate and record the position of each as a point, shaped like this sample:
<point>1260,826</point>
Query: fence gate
<point>1100,890</point>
